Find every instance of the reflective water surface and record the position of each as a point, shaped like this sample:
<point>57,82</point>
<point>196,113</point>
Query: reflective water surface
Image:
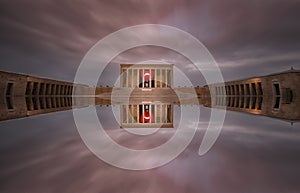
<point>44,153</point>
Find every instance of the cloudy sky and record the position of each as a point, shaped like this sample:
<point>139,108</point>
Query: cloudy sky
<point>49,38</point>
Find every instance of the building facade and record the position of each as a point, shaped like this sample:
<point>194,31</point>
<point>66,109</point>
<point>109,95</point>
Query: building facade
<point>274,95</point>
<point>146,75</point>
<point>151,104</point>
<point>24,95</point>
<point>146,115</point>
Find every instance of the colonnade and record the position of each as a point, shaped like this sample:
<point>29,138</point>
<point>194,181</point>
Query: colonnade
<point>147,76</point>
<point>146,114</point>
<point>42,89</point>
<point>250,89</point>
<point>245,96</point>
<point>43,103</point>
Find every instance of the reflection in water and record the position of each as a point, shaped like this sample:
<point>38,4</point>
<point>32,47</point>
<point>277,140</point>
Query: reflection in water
<point>273,95</point>
<point>41,153</point>
<point>258,105</point>
<point>147,115</point>
<point>46,152</point>
<point>150,113</point>
<point>20,107</point>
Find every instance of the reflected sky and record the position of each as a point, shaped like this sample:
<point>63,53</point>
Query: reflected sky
<point>44,153</point>
<point>252,154</point>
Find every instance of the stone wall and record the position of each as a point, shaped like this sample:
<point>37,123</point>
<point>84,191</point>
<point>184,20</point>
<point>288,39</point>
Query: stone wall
<point>23,95</point>
<point>275,95</point>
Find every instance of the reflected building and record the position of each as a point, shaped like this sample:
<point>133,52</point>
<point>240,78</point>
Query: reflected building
<point>274,95</point>
<point>159,79</point>
<point>146,115</point>
<point>24,95</point>
<point>151,95</point>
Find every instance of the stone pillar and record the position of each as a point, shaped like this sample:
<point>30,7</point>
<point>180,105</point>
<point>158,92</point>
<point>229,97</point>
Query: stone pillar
<point>143,81</point>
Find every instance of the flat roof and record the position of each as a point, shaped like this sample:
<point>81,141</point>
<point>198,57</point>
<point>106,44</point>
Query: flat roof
<point>147,65</point>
